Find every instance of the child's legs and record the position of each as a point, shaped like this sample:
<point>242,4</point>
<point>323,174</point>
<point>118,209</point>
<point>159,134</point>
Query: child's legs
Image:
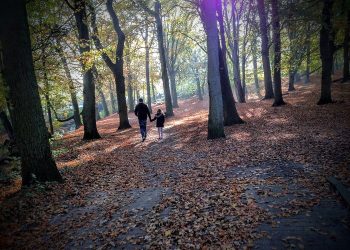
<point>160,132</point>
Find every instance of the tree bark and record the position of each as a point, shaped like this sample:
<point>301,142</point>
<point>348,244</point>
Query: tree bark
<point>111,96</point>
<point>165,78</point>
<point>100,91</point>
<point>308,53</point>
<point>29,126</point>
<point>172,75</point>
<point>104,102</point>
<point>265,50</point>
<point>229,107</point>
<point>244,59</point>
<point>98,117</point>
<point>216,118</point>
<point>198,84</point>
<point>73,95</point>
<point>235,56</point>
<point>117,67</point>
<point>148,85</point>
<point>89,113</point>
<point>291,80</point>
<point>326,52</point>
<point>277,58</point>
<point>231,116</point>
<point>47,91</point>
<point>346,57</point>
<point>47,100</point>
<point>255,67</point>
<point>129,84</point>
<point>154,93</point>
<point>118,70</point>
<point>7,125</point>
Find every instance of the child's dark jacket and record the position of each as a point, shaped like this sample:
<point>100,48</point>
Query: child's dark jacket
<point>160,120</point>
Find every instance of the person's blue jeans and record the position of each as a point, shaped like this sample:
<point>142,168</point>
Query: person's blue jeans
<point>143,128</point>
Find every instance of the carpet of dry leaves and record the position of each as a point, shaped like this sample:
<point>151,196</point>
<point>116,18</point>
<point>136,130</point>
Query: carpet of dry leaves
<point>178,192</point>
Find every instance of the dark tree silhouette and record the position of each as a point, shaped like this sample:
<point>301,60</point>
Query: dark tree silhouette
<point>29,126</point>
<point>277,57</point>
<point>327,50</point>
<point>265,50</point>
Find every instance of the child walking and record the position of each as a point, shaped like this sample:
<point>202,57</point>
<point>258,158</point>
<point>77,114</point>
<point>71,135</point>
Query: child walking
<point>160,122</point>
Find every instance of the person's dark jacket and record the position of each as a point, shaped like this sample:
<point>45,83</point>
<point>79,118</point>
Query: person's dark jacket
<point>160,120</point>
<point>142,111</point>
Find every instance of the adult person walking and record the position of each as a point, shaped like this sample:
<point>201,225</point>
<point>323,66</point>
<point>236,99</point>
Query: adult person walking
<point>142,111</point>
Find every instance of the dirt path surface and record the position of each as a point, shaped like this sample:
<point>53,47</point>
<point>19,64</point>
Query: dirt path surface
<point>261,187</point>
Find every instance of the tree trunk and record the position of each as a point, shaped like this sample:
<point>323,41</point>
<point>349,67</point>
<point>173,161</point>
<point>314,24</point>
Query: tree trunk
<point>7,125</point>
<point>255,67</point>
<point>148,85</point>
<point>235,55</point>
<point>111,96</point>
<point>47,92</point>
<point>172,75</point>
<point>216,118</point>
<point>277,58</point>
<point>130,95</point>
<point>29,126</point>
<point>291,80</point>
<point>165,78</point>
<point>326,52</point>
<point>154,94</point>
<point>73,95</point>
<point>293,51</point>
<point>265,50</point>
<point>99,90</point>
<point>244,87</point>
<point>346,57</point>
<point>308,53</point>
<point>48,108</point>
<point>198,83</point>
<point>118,69</point>
<point>129,84</point>
<point>98,117</point>
<point>89,116</point>
<point>104,102</point>
<point>231,116</point>
<point>230,112</point>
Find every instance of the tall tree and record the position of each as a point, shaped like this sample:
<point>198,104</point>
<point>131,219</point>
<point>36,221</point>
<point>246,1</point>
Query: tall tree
<point>326,51</point>
<point>346,45</point>
<point>89,109</point>
<point>277,55</point>
<point>255,65</point>
<point>265,50</point>
<point>148,83</point>
<point>71,87</point>
<point>46,90</point>
<point>111,97</point>
<point>171,54</point>
<point>216,118</point>
<point>308,53</point>
<point>117,67</point>
<point>156,13</point>
<point>31,134</point>
<point>131,100</point>
<point>7,125</point>
<point>98,84</point>
<point>230,112</point>
<point>235,52</point>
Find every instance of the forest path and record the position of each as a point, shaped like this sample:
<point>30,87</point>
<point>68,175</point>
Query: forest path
<point>262,186</point>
